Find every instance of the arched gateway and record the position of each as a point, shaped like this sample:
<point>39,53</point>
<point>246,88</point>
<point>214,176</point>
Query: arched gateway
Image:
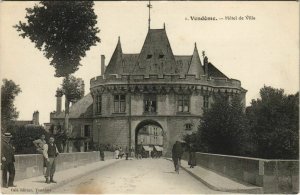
<point>149,138</point>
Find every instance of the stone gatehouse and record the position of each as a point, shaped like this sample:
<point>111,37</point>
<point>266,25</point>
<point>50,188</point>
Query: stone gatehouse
<point>152,87</point>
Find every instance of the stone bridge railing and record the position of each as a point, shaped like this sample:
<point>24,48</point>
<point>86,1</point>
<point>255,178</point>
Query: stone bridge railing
<point>275,176</point>
<point>31,165</point>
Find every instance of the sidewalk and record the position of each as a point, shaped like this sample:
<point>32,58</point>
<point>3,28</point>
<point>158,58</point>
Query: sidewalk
<point>37,185</point>
<point>219,182</point>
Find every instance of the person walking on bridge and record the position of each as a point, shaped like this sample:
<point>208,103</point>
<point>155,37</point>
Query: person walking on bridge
<point>50,153</point>
<point>177,152</point>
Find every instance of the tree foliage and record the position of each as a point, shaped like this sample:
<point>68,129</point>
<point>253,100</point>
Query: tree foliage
<point>223,128</point>
<point>73,88</point>
<point>63,30</point>
<point>23,137</point>
<point>9,91</point>
<point>274,120</point>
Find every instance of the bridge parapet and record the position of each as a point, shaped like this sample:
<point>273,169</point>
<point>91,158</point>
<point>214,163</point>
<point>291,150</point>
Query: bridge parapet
<point>31,165</point>
<point>274,175</point>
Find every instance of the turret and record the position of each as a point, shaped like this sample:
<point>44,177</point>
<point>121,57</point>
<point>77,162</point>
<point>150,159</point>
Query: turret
<point>195,64</point>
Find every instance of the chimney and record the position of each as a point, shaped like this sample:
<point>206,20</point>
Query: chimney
<point>58,96</point>
<point>35,118</point>
<point>102,64</point>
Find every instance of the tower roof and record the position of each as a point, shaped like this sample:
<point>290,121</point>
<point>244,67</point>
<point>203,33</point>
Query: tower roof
<point>115,61</point>
<point>195,64</point>
<point>156,55</point>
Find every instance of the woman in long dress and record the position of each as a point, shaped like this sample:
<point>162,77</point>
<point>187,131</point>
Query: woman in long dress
<point>192,156</point>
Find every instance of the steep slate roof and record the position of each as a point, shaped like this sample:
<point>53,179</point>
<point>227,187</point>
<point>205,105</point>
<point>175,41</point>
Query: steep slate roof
<point>115,61</point>
<point>214,72</point>
<point>195,65</point>
<point>182,64</point>
<point>156,57</point>
<point>81,109</point>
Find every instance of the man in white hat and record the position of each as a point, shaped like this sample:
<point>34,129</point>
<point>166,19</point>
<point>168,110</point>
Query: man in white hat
<point>7,161</point>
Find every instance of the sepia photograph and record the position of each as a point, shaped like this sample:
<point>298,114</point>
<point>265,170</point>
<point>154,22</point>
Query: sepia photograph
<point>149,97</point>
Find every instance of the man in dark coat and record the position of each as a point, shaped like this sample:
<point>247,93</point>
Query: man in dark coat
<point>7,160</point>
<point>177,152</point>
<point>126,152</point>
<point>101,151</point>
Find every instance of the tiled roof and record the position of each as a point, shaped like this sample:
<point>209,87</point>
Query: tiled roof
<point>81,109</point>
<point>115,61</point>
<point>182,64</point>
<point>156,57</point>
<point>214,72</point>
<point>195,65</point>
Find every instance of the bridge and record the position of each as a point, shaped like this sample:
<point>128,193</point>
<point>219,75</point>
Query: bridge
<point>83,172</point>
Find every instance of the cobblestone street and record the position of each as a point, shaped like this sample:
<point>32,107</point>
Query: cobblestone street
<point>137,176</point>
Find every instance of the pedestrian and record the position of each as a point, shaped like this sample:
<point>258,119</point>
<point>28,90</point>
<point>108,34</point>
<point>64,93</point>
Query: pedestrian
<point>101,151</point>
<point>39,145</point>
<point>192,156</point>
<point>50,153</point>
<point>121,154</point>
<point>7,161</point>
<point>132,152</point>
<point>117,153</point>
<point>126,152</point>
<point>177,152</point>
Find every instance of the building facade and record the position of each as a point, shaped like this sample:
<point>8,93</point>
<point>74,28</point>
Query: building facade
<point>155,88</point>
<point>152,88</point>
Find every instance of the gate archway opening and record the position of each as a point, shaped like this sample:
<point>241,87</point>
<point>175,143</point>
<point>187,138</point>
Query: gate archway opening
<point>149,138</point>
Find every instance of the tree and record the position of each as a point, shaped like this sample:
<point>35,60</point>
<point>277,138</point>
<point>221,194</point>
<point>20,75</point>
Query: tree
<point>223,127</point>
<point>9,113</point>
<point>23,137</point>
<point>73,88</point>
<point>274,120</point>
<point>63,31</point>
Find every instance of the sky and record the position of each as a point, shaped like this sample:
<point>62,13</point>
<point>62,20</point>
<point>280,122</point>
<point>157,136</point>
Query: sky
<point>259,52</point>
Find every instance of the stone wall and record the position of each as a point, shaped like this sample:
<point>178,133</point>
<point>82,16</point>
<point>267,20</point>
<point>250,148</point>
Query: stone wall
<point>275,176</point>
<point>31,165</point>
<point>114,130</point>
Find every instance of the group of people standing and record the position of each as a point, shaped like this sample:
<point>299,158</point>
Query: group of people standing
<point>48,150</point>
<point>128,152</point>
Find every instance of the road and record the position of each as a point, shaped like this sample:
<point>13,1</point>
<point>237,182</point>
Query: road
<point>146,176</point>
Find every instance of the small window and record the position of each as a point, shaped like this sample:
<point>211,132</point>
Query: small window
<point>149,56</point>
<point>87,131</point>
<point>161,56</point>
<point>183,103</point>
<point>205,102</point>
<point>98,104</point>
<point>150,103</point>
<point>188,126</point>
<point>119,103</point>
